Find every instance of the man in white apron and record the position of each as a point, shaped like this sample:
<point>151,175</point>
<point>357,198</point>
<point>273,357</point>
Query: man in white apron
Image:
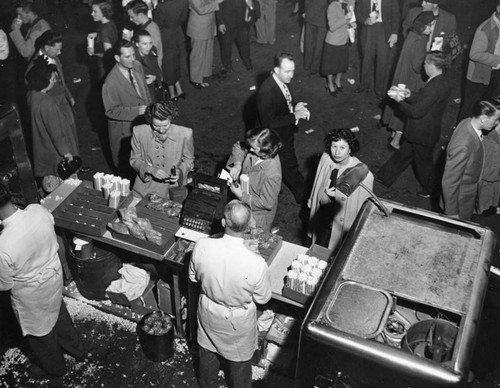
<point>30,268</point>
<point>232,280</point>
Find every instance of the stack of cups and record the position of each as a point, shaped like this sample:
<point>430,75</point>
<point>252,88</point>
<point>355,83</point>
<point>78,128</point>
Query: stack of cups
<point>245,183</point>
<point>114,199</point>
<point>124,187</point>
<point>107,188</point>
<point>98,180</point>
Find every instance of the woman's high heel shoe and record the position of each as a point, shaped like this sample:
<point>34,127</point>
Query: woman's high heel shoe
<point>333,92</point>
<point>182,95</point>
<point>339,88</point>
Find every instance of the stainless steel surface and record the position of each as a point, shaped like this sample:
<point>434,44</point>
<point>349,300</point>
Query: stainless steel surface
<point>460,252</point>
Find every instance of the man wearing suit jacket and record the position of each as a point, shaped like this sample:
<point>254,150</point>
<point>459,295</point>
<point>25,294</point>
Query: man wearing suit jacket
<point>379,22</point>
<point>125,96</point>
<point>425,111</point>
<point>278,111</point>
<point>465,157</point>
<point>234,19</point>
<point>446,24</point>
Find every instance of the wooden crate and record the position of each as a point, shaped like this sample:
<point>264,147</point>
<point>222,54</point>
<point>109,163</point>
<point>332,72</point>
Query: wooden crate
<point>84,211</point>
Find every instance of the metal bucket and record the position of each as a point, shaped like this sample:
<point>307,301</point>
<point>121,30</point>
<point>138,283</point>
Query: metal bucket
<point>433,339</point>
<point>156,347</point>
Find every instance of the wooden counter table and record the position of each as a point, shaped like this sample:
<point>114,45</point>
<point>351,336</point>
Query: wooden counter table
<point>53,200</point>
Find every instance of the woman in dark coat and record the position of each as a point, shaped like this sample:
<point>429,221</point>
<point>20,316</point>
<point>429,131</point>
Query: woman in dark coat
<point>147,55</point>
<point>409,70</point>
<point>53,125</point>
<point>169,16</point>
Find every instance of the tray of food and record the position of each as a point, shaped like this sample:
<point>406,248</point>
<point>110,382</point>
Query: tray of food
<point>266,244</point>
<point>84,211</point>
<point>148,233</point>
<point>153,206</point>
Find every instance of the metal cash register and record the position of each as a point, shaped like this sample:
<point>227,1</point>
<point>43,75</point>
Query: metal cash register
<point>204,206</point>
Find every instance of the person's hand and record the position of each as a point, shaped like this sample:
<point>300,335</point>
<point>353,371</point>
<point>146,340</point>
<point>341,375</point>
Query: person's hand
<point>68,156</point>
<point>369,21</point>
<point>222,29</point>
<point>142,109</point>
<point>150,78</point>
<point>16,24</point>
<point>159,174</point>
<point>235,189</point>
<point>72,101</point>
<point>331,191</point>
<point>235,171</point>
<point>393,39</point>
<point>301,112</point>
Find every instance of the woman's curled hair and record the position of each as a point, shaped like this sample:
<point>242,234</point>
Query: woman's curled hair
<point>341,134</point>
<point>268,142</point>
<point>166,110</point>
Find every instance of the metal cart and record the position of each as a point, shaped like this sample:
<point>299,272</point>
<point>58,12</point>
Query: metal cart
<point>400,305</point>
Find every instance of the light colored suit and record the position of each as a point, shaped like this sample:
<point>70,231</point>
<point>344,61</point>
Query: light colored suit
<point>464,164</point>
<point>149,155</point>
<point>201,28</point>
<point>122,106</point>
<point>26,46</point>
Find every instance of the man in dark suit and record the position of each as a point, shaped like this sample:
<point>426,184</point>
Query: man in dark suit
<point>125,96</point>
<point>234,19</point>
<point>446,24</point>
<point>425,111</point>
<point>379,22</point>
<point>278,111</point>
<point>465,158</point>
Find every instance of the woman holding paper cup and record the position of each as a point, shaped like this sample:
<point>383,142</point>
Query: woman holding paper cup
<point>335,58</point>
<point>162,152</point>
<point>99,42</point>
<point>255,170</point>
<point>409,71</point>
<point>333,211</point>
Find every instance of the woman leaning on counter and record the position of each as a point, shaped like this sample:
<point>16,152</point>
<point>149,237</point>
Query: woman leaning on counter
<point>162,152</point>
<point>333,212</point>
<point>258,158</point>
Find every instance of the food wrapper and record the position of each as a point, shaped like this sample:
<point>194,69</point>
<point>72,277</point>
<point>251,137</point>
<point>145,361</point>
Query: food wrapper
<point>118,227</point>
<point>128,213</point>
<point>154,236</point>
<point>144,223</point>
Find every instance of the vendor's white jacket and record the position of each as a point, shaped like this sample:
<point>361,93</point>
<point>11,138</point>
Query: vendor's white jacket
<point>232,278</point>
<point>31,269</point>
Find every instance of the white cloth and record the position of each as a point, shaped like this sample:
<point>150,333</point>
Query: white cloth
<point>31,269</point>
<point>4,45</point>
<point>232,278</point>
<point>132,283</point>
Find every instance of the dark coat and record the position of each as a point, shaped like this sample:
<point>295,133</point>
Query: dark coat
<point>391,18</point>
<point>232,13</point>
<point>425,111</point>
<point>446,23</point>
<point>272,107</point>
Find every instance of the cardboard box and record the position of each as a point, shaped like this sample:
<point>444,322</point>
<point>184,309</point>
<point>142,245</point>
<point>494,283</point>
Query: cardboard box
<point>142,305</point>
<point>321,253</point>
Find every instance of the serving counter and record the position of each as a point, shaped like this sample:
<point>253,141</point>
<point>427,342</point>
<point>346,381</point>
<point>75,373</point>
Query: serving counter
<point>278,266</point>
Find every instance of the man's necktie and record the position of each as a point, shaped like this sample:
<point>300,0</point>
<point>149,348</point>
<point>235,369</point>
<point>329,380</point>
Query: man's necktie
<point>288,98</point>
<point>132,81</point>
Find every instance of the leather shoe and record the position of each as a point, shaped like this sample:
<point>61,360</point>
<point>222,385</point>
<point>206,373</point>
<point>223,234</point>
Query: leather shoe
<point>197,85</point>
<point>38,373</point>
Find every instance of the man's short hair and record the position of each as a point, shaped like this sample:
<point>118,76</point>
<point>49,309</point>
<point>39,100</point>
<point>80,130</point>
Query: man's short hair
<point>278,58</point>
<point>5,196</point>
<point>138,34</point>
<point>122,43</point>
<point>137,7</point>
<point>486,107</point>
<point>237,215</point>
<point>48,38</point>
<point>27,7</point>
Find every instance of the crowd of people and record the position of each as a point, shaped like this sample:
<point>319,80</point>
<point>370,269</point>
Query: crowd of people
<point>135,56</point>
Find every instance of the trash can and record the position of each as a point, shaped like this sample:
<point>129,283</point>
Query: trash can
<point>94,273</point>
<point>156,335</point>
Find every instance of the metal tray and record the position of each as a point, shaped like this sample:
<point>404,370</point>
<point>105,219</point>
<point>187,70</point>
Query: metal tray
<point>359,309</point>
